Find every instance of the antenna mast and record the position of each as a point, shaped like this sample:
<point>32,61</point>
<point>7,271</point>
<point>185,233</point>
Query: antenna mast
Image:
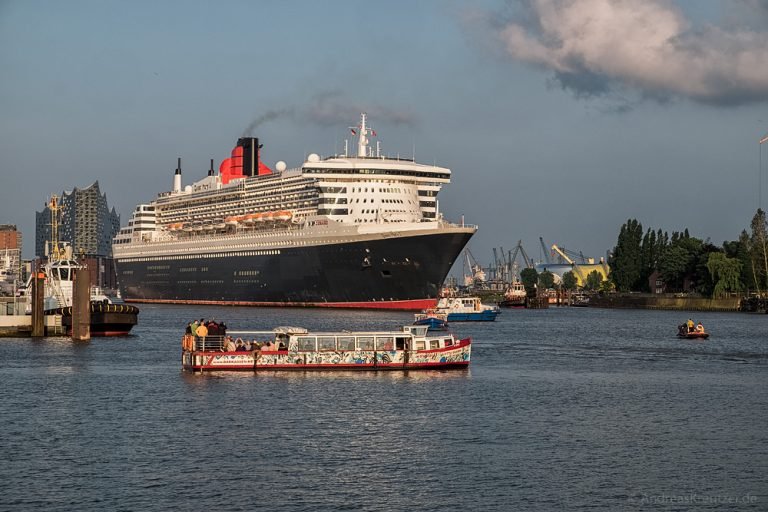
<point>53,205</point>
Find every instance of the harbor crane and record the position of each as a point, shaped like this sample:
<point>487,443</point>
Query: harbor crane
<point>576,268</point>
<point>545,251</point>
<point>473,271</point>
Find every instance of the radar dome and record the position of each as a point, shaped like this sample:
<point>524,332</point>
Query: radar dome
<point>188,189</point>
<point>280,166</point>
<point>313,157</point>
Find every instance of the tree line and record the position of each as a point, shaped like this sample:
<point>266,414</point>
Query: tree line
<point>684,263</point>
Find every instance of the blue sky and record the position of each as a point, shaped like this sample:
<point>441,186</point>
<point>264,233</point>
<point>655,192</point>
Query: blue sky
<point>558,118</point>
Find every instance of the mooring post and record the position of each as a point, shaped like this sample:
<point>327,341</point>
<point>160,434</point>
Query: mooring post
<point>38,296</point>
<point>81,306</point>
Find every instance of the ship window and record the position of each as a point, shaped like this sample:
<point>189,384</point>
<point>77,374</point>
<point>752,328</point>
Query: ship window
<point>307,344</point>
<point>433,344</point>
<point>365,343</point>
<point>326,343</point>
<point>346,342</point>
<point>384,343</point>
<point>420,345</point>
<point>400,343</point>
<point>448,342</point>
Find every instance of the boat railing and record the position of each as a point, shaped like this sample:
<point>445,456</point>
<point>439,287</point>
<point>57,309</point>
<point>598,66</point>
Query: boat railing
<point>209,343</point>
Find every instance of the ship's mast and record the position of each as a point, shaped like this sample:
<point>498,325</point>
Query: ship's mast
<point>53,205</point>
<point>362,142</point>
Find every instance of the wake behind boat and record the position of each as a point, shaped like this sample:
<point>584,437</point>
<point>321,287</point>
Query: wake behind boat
<point>295,348</point>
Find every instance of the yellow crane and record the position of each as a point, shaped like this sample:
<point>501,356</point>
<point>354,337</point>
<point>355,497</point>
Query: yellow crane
<point>583,269</point>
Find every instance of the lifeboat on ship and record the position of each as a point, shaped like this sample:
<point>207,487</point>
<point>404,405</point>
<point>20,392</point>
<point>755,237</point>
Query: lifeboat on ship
<point>232,220</point>
<point>283,215</point>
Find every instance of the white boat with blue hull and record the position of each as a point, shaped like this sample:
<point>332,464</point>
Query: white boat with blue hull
<point>466,309</point>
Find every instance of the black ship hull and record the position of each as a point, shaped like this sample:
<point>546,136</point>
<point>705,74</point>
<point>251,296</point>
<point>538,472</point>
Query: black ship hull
<point>106,319</point>
<point>402,272</point>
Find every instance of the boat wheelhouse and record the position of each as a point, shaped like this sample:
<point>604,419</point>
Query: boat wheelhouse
<point>295,348</point>
<point>465,309</point>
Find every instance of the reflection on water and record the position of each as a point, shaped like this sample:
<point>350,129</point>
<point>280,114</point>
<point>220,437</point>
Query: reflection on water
<point>561,409</point>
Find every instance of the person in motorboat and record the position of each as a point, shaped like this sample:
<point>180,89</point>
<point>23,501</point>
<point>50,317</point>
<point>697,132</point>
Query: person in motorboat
<point>699,328</point>
<point>690,325</point>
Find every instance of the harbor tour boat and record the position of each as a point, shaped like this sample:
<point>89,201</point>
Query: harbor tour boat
<point>352,230</point>
<point>296,348</point>
<point>465,309</point>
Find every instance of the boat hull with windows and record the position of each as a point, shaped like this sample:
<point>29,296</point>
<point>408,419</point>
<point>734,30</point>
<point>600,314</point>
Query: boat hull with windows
<point>465,309</point>
<point>291,348</point>
<point>350,230</point>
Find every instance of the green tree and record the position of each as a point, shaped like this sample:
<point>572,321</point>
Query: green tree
<point>570,282</point>
<point>673,266</point>
<point>529,277</point>
<point>684,261</point>
<point>739,249</point>
<point>594,280</point>
<point>546,280</point>
<point>725,272</point>
<point>626,259</point>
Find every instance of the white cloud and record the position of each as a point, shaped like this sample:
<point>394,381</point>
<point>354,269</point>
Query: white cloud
<point>596,46</point>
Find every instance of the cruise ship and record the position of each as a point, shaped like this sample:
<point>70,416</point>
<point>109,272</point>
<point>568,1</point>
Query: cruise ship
<point>344,231</point>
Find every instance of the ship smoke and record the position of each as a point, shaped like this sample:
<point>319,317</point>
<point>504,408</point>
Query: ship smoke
<point>330,109</point>
<point>270,115</point>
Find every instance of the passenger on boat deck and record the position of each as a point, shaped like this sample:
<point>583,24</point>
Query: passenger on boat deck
<point>213,328</point>
<point>690,325</point>
<point>193,327</point>
<point>267,347</point>
<point>699,327</point>
<point>281,346</point>
<point>189,330</point>
<point>239,345</point>
<point>222,328</point>
<point>229,345</point>
<point>202,331</point>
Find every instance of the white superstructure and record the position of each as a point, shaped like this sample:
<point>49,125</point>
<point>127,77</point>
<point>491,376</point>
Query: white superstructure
<point>366,193</point>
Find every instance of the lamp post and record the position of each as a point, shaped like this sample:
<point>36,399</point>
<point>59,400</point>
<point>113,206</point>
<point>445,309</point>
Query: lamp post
<point>760,173</point>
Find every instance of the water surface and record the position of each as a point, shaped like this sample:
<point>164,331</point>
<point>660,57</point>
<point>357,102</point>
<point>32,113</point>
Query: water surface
<point>561,409</point>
